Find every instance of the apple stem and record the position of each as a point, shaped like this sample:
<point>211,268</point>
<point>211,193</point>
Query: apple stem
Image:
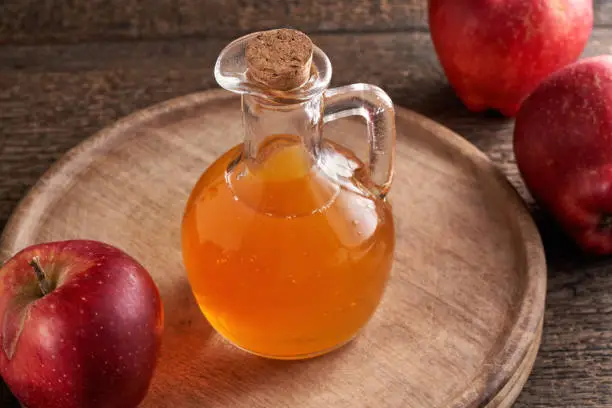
<point>43,282</point>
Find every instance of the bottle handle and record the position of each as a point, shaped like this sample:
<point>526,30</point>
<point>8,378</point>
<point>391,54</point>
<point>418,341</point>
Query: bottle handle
<point>374,105</point>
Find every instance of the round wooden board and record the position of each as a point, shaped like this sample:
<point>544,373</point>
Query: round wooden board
<point>460,323</point>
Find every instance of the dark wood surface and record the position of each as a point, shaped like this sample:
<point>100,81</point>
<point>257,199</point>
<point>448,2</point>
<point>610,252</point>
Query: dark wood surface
<point>33,21</point>
<point>65,72</point>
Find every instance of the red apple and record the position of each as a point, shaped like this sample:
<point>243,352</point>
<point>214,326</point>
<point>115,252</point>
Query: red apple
<point>80,326</point>
<point>495,52</point>
<point>563,149</point>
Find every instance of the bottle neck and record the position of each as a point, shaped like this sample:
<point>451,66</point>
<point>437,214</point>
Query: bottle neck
<point>265,120</point>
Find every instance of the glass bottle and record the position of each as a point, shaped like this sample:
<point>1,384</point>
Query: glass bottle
<point>288,238</point>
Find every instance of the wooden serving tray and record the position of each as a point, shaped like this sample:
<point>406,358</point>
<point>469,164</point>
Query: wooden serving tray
<point>461,320</point>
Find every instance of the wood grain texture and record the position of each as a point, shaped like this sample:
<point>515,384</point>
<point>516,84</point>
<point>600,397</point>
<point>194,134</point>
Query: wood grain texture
<point>53,97</point>
<point>460,316</point>
<point>603,12</point>
<point>49,21</point>
<point>33,21</point>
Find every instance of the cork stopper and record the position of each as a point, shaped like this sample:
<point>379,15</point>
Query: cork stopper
<point>280,59</point>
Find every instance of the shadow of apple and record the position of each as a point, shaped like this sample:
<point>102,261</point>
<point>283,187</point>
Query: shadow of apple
<point>7,400</point>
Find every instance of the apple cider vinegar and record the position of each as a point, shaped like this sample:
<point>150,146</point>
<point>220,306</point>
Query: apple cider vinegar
<point>282,260</point>
<point>288,238</point>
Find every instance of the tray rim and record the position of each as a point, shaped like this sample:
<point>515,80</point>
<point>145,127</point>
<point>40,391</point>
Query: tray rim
<point>483,388</point>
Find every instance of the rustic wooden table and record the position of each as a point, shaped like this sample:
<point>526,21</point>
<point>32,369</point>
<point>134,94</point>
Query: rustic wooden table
<point>67,70</point>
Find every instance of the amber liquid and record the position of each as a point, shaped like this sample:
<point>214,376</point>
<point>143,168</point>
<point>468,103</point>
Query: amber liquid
<point>285,259</point>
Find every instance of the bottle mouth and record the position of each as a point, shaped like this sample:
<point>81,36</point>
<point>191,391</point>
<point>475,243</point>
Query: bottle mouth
<point>231,74</point>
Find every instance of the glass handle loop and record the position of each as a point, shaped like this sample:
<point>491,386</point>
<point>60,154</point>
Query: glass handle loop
<point>374,105</point>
